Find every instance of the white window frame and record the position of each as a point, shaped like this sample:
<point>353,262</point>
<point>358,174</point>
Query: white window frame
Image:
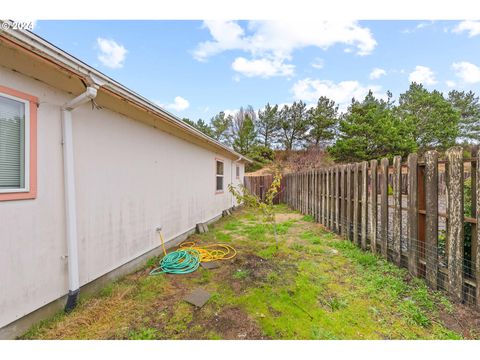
<point>26,188</point>
<point>217,176</point>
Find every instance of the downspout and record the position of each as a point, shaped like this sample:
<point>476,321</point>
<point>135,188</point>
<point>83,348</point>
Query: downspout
<point>70,195</point>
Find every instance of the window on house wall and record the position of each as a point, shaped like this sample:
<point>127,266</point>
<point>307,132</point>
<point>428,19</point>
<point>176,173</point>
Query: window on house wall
<point>238,172</point>
<point>18,142</point>
<point>219,176</point>
<point>14,144</point>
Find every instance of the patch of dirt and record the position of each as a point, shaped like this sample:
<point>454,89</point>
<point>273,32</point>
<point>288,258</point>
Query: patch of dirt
<point>256,266</point>
<point>463,319</point>
<point>232,323</point>
<point>289,216</point>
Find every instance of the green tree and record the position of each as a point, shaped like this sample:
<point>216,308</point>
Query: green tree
<point>370,129</point>
<point>221,125</point>
<point>243,130</point>
<point>200,125</point>
<point>245,197</point>
<point>468,107</point>
<point>323,118</point>
<point>293,124</point>
<point>267,124</point>
<point>261,156</point>
<point>432,120</point>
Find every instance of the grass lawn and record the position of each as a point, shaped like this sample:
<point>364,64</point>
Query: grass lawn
<point>316,286</point>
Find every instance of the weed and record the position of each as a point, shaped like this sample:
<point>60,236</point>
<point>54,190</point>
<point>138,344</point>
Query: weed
<point>414,313</point>
<point>268,252</point>
<point>297,247</point>
<point>311,237</point>
<point>272,277</point>
<point>241,274</point>
<point>321,334</point>
<point>153,261</point>
<point>283,227</point>
<point>255,232</point>
<point>335,303</point>
<point>143,334</point>
<point>223,237</point>
<point>232,225</point>
<point>308,218</point>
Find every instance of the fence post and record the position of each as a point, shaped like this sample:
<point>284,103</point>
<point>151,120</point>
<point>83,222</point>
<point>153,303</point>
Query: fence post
<point>373,206</point>
<point>303,192</point>
<point>384,207</point>
<point>310,191</point>
<point>364,204</point>
<point>473,214</point>
<point>295,199</point>
<point>349,201</point>
<point>314,194</point>
<point>332,199</point>
<point>355,203</point>
<point>327,220</point>
<point>412,219</point>
<point>337,199</point>
<point>319,196</point>
<point>397,209</point>
<point>343,203</point>
<point>431,218</point>
<point>455,220</point>
<point>477,255</point>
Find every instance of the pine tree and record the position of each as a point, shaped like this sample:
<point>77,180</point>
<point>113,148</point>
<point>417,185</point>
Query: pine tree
<point>293,125</point>
<point>468,107</point>
<point>323,118</point>
<point>369,130</point>
<point>267,125</point>
<point>221,125</point>
<point>432,120</point>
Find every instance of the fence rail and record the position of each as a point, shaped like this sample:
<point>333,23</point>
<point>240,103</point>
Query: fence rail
<point>418,214</point>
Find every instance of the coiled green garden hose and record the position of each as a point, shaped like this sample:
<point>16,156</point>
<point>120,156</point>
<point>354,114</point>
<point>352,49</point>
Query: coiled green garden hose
<point>178,262</point>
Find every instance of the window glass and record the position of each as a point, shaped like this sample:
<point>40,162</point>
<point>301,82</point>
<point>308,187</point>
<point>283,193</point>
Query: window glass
<point>219,168</point>
<point>12,143</point>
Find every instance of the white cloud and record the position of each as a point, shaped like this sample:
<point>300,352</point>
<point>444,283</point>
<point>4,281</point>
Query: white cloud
<point>468,72</point>
<point>275,41</point>
<point>111,53</point>
<point>472,27</point>
<point>377,73</point>
<point>422,75</point>
<point>179,104</point>
<point>450,83</point>
<point>262,67</point>
<point>309,90</point>
<point>318,63</point>
<point>419,26</point>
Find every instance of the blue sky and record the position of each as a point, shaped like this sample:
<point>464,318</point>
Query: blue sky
<point>196,69</point>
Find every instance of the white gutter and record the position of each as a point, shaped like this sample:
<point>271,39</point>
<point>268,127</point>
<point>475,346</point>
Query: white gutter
<point>70,194</point>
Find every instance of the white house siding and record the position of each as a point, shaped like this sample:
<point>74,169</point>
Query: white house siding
<point>130,178</point>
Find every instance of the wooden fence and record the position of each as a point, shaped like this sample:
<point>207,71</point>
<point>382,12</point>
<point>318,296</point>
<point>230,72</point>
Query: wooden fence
<point>431,232</point>
<point>259,186</point>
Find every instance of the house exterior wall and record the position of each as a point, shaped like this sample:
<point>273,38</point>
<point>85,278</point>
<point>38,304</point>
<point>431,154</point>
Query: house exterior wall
<point>130,179</point>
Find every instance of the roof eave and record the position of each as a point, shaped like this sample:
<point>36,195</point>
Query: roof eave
<point>39,45</point>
